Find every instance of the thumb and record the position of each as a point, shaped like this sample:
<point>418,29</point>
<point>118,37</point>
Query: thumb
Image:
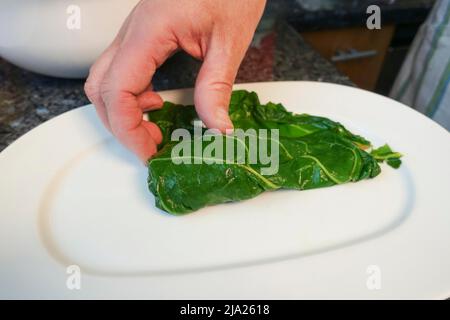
<point>213,89</point>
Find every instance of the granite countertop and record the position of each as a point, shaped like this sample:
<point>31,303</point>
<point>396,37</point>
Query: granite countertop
<point>28,99</point>
<point>311,15</point>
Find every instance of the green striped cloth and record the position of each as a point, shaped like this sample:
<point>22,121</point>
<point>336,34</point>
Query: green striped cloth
<point>424,80</point>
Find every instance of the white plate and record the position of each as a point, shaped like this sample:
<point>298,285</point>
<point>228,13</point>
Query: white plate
<point>71,195</point>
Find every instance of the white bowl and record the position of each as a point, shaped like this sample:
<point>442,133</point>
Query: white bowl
<point>44,37</point>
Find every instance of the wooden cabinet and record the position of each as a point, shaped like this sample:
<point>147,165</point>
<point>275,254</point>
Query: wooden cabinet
<point>357,52</point>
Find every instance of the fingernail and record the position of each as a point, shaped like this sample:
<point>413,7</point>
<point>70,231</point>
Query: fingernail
<point>222,119</point>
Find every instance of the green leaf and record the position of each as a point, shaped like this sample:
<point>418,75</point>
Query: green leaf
<point>386,154</point>
<point>394,162</point>
<point>315,152</point>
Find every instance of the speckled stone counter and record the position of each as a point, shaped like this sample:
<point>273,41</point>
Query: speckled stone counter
<point>28,99</point>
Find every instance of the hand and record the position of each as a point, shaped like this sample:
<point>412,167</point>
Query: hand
<point>215,31</point>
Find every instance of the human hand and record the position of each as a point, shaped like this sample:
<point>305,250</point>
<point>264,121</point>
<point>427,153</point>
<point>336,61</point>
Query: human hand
<point>218,32</point>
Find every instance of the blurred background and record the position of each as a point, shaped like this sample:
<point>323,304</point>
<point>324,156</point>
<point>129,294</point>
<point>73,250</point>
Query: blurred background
<point>334,28</point>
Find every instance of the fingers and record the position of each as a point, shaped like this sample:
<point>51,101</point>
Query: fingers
<point>124,89</point>
<point>214,86</point>
<point>96,75</point>
<point>229,36</point>
<point>154,131</point>
<point>149,100</point>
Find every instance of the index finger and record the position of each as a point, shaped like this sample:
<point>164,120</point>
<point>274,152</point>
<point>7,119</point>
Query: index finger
<point>128,77</point>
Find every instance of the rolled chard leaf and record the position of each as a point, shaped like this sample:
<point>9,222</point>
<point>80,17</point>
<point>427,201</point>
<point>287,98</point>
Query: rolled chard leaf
<point>314,152</point>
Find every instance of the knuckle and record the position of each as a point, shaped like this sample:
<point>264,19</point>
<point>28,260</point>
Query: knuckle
<point>104,89</point>
<point>221,86</point>
<point>117,131</point>
<point>90,88</point>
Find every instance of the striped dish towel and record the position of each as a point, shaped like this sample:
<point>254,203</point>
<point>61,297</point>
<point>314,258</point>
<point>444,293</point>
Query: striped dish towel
<point>424,80</point>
